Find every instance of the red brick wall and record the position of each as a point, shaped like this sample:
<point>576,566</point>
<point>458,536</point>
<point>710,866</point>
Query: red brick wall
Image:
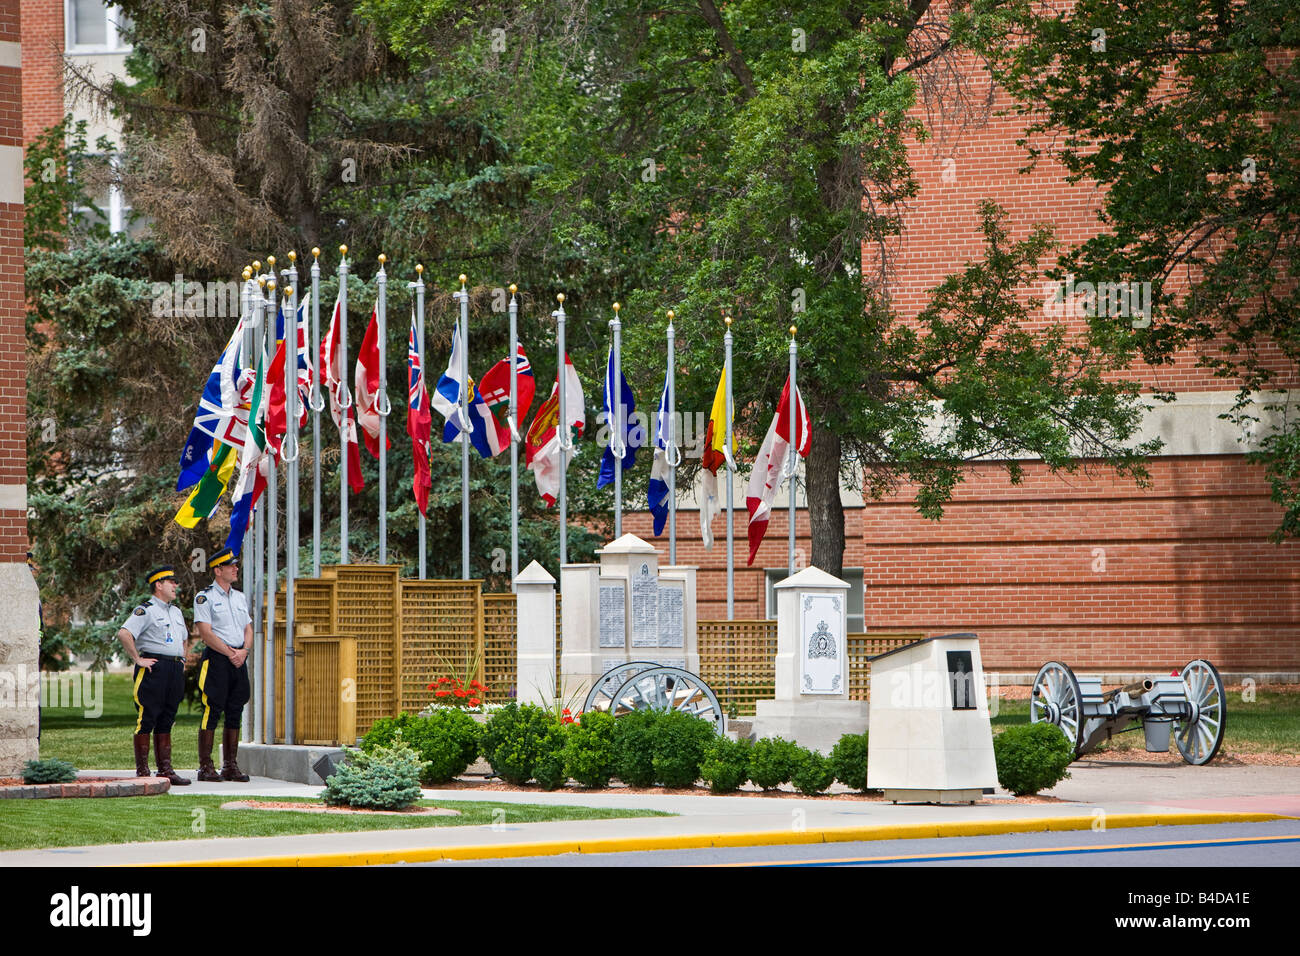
<point>13,367</point>
<point>43,40</point>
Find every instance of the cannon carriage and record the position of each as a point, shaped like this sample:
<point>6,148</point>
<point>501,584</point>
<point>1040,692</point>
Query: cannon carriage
<point>1189,706</point>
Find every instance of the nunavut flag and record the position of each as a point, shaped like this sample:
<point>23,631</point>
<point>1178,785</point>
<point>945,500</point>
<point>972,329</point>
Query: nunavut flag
<point>769,466</point>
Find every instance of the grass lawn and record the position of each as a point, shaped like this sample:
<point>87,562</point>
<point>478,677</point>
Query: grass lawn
<point>1268,724</point>
<point>28,824</point>
<point>104,742</point>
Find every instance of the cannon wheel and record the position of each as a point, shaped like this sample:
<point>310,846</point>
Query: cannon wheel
<point>1200,736</point>
<point>1057,700</point>
<point>669,688</point>
<point>598,697</point>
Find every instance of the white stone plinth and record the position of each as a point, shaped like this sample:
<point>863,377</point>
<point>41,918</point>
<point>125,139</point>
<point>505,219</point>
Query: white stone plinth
<point>812,703</point>
<point>535,636</point>
<point>19,667</point>
<point>922,742</point>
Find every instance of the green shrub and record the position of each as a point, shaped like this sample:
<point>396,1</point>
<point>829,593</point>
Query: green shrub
<point>849,761</point>
<point>680,741</point>
<point>50,770</point>
<point>634,747</point>
<point>384,778</point>
<point>515,738</point>
<point>813,773</point>
<point>549,769</point>
<point>726,764</point>
<point>446,740</point>
<point>589,749</point>
<point>1032,757</point>
<point>772,762</point>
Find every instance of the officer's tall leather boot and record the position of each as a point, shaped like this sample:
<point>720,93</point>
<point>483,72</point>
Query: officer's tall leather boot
<point>141,742</point>
<point>162,749</point>
<point>207,769</point>
<point>229,750</point>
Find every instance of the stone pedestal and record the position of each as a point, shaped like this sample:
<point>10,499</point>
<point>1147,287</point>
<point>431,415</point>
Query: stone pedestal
<point>626,608</point>
<point>812,703</point>
<point>931,740</point>
<point>19,667</point>
<point>535,637</point>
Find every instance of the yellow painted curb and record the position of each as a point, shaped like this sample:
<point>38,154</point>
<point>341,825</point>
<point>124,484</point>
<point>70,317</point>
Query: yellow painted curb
<point>697,841</point>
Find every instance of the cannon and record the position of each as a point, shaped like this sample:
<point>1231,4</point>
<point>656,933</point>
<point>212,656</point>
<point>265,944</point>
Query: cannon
<point>645,685</point>
<point>1190,705</point>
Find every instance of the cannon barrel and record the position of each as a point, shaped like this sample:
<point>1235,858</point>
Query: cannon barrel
<point>1135,688</point>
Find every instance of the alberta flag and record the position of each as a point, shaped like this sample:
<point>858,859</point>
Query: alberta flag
<point>659,470</point>
<point>619,406</point>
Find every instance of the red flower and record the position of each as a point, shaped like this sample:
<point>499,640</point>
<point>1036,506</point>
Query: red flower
<point>444,680</point>
<point>473,701</point>
<point>440,693</point>
<point>430,687</point>
<point>460,692</point>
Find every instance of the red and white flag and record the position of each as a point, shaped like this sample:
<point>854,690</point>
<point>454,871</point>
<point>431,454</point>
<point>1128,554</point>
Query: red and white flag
<point>769,466</point>
<point>331,365</point>
<point>542,446</point>
<point>367,386</point>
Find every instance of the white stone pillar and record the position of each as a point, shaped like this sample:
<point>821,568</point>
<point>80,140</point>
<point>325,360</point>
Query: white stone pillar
<point>812,703</point>
<point>535,636</point>
<point>19,667</point>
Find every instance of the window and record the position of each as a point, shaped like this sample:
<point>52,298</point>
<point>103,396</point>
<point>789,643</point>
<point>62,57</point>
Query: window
<point>854,620</point>
<point>110,207</point>
<point>95,27</point>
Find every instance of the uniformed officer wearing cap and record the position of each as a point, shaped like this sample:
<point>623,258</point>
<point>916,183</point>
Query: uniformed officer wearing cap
<point>154,637</point>
<point>221,613</point>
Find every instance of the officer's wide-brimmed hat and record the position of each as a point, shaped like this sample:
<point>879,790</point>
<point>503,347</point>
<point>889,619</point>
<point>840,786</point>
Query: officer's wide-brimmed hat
<point>224,556</point>
<point>161,574</point>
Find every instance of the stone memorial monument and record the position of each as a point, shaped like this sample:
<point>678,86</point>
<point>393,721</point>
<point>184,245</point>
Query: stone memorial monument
<point>626,608</point>
<point>812,703</point>
<point>931,741</point>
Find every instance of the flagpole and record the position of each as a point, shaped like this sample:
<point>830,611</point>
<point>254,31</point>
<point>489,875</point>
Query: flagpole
<point>317,405</point>
<point>618,446</point>
<point>466,385</point>
<point>671,455</point>
<point>289,453</point>
<point>562,427</point>
<point>419,345</point>
<point>272,530</point>
<point>514,437</point>
<point>259,529</point>
<point>254,707</point>
<point>345,403</point>
<point>382,407</point>
<point>792,456</point>
<point>726,452</point>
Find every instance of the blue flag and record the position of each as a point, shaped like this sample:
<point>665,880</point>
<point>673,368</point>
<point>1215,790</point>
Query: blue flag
<point>631,437</point>
<point>658,489</point>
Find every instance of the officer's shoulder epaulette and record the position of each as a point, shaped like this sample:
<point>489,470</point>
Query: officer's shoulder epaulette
<point>140,610</point>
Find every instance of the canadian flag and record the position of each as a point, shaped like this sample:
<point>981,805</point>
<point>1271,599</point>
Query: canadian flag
<point>769,466</point>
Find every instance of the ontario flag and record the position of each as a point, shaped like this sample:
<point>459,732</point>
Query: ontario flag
<point>770,465</point>
<point>418,419</point>
<point>367,386</point>
<point>495,386</point>
<point>542,446</point>
<point>331,366</point>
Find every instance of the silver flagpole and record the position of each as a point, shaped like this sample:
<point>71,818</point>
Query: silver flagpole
<point>617,446</point>
<point>418,285</point>
<point>345,401</point>
<point>671,453</point>
<point>792,456</point>
<point>272,528</point>
<point>466,425</point>
<point>253,710</point>
<point>258,518</point>
<point>562,427</point>
<point>290,457</point>
<point>383,408</point>
<point>317,406</point>
<point>513,422</point>
<point>731,465</point>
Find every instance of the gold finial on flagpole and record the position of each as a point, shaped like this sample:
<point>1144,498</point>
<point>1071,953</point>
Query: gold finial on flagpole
<point>463,278</point>
<point>343,250</point>
<point>261,283</point>
<point>257,265</point>
<point>315,251</point>
<point>382,258</point>
<point>559,297</point>
<point>248,273</point>
<point>293,256</point>
<point>616,308</point>
<point>419,269</point>
<point>727,320</point>
<point>671,315</point>
<point>270,285</point>
<point>270,261</point>
<point>793,330</point>
<point>513,288</point>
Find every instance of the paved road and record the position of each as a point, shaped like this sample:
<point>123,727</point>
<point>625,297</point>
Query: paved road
<point>1247,844</point>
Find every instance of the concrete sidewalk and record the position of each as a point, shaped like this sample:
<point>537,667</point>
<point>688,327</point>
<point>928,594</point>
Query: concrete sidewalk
<point>1099,793</point>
